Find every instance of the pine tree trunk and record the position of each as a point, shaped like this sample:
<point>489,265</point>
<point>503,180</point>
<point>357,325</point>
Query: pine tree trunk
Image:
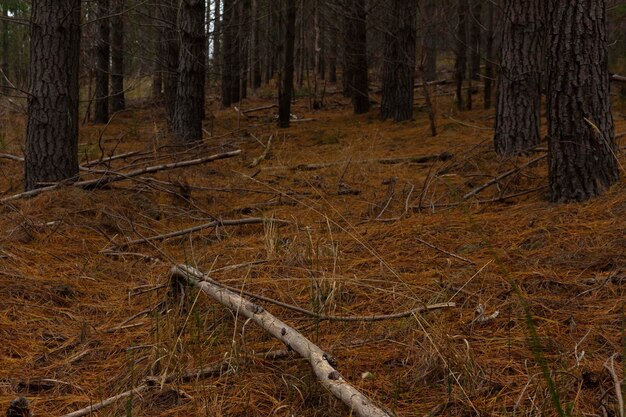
<point>489,70</point>
<point>52,128</point>
<point>217,51</point>
<point>429,41</point>
<point>171,44</point>
<point>356,55</point>
<point>5,49</point>
<point>286,92</point>
<point>399,61</point>
<point>244,46</point>
<point>582,149</point>
<point>461,50</point>
<point>476,38</point>
<point>268,70</point>
<point>118,101</point>
<point>101,114</point>
<point>254,45</point>
<point>189,112</point>
<point>231,71</point>
<point>518,109</point>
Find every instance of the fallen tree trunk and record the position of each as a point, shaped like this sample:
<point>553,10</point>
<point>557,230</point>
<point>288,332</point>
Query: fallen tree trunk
<point>323,364</point>
<point>112,176</point>
<point>418,159</point>
<point>215,223</point>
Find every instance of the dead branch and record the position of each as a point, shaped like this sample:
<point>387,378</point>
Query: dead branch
<point>419,159</point>
<point>113,176</point>
<point>11,157</point>
<point>109,159</point>
<point>109,401</point>
<point>323,364</point>
<point>271,106</point>
<point>215,223</point>
<point>501,177</point>
<point>437,248</point>
<point>261,158</point>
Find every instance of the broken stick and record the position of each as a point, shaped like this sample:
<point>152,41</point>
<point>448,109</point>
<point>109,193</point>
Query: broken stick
<point>323,364</point>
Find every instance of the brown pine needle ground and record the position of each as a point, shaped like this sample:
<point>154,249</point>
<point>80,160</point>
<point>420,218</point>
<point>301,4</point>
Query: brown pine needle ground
<point>79,323</point>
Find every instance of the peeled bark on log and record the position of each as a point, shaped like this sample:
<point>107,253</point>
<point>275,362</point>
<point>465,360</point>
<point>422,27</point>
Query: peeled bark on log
<point>322,363</point>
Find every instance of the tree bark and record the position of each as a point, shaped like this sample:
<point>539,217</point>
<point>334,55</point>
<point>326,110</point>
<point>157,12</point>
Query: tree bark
<point>231,71</point>
<point>489,70</point>
<point>118,101</point>
<point>286,92</point>
<point>4,65</point>
<point>171,45</point>
<point>356,55</point>
<point>461,50</point>
<point>189,112</point>
<point>101,114</point>
<point>518,108</point>
<point>399,61</point>
<point>254,47</point>
<point>476,38</point>
<point>217,50</point>
<point>52,127</point>
<point>429,41</point>
<point>582,149</point>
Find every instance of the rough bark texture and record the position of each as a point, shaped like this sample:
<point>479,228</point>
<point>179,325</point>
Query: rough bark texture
<point>399,61</point>
<point>476,37</point>
<point>189,112</point>
<point>101,114</point>
<point>518,108</point>
<point>118,101</point>
<point>286,92</point>
<point>461,50</point>
<point>231,71</point>
<point>429,40</point>
<point>254,45</point>
<point>52,128</point>
<point>171,50</point>
<point>582,151</point>
<point>356,55</point>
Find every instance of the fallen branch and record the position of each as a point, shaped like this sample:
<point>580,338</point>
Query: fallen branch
<point>502,176</point>
<point>419,159</point>
<point>215,223</point>
<point>111,158</point>
<point>323,364</point>
<point>112,176</point>
<point>261,158</point>
<point>109,401</point>
<point>11,157</point>
<point>271,106</point>
<point>437,248</point>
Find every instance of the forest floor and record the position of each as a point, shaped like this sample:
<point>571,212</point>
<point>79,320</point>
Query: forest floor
<point>83,318</point>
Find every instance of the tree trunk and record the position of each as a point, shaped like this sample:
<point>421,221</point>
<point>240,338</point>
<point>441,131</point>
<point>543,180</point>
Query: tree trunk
<point>399,61</point>
<point>171,49</point>
<point>254,45</point>
<point>52,127</point>
<point>518,109</point>
<point>461,50</point>
<point>356,54</point>
<point>429,41</point>
<point>189,112</point>
<point>476,41</point>
<point>4,65</point>
<point>286,92</point>
<point>317,100</point>
<point>489,70</point>
<point>333,50</point>
<point>217,28</point>
<point>244,46</point>
<point>269,65</point>
<point>582,149</point>
<point>118,101</point>
<point>101,114</point>
<point>231,71</point>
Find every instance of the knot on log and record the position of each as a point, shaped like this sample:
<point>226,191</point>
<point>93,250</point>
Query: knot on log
<point>283,331</point>
<point>330,359</point>
<point>334,375</point>
<point>255,309</point>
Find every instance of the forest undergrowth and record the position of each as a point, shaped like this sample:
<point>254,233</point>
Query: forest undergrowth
<point>370,228</point>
